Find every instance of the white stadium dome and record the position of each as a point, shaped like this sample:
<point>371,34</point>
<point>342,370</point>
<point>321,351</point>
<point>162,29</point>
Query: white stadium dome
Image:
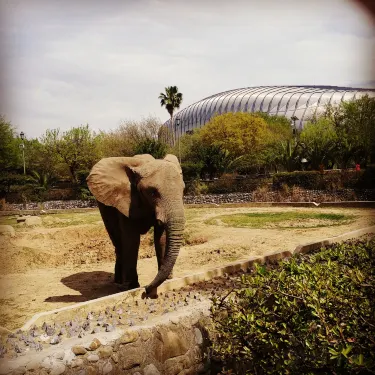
<point>289,101</point>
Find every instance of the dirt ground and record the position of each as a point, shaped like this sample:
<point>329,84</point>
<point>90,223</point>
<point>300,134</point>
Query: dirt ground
<point>70,258</point>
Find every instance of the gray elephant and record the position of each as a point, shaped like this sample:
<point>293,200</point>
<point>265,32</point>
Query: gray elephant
<point>135,194</point>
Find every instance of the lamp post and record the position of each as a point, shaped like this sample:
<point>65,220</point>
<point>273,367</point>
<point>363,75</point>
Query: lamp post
<point>179,145</point>
<point>294,119</point>
<point>22,146</point>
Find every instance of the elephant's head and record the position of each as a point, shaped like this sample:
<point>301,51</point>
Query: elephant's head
<point>145,186</point>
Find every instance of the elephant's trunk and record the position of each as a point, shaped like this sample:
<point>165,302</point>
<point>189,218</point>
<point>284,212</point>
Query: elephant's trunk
<point>175,223</point>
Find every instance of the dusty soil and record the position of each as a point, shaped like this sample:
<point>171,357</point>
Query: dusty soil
<point>71,260</point>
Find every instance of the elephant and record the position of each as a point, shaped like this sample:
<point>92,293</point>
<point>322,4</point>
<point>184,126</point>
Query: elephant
<point>133,195</point>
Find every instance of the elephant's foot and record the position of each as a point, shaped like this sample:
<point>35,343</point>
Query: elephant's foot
<point>128,286</point>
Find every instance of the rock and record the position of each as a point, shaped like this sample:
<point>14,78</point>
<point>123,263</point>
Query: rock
<point>77,362</point>
<point>105,351</point>
<point>132,358</point>
<point>109,328</point>
<point>198,336</point>
<point>57,369</point>
<point>174,343</point>
<point>79,350</point>
<point>59,355</point>
<point>33,221</point>
<point>8,230</point>
<point>46,363</point>
<point>94,344</point>
<point>33,365</point>
<point>145,334</point>
<point>19,370</point>
<point>93,358</point>
<point>55,340</point>
<point>128,337</point>
<point>68,357</point>
<point>107,368</point>
<point>115,357</point>
<point>151,370</point>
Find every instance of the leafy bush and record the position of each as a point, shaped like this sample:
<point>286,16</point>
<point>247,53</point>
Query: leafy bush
<point>191,170</point>
<point>309,314</point>
<point>329,180</point>
<point>195,187</point>
<point>234,185</point>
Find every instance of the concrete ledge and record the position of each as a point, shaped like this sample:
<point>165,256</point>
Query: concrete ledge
<point>66,313</point>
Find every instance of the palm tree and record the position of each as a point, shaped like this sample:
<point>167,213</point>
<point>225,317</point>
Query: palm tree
<point>172,100</point>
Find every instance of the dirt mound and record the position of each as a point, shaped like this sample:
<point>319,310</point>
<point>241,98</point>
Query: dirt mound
<point>69,246</point>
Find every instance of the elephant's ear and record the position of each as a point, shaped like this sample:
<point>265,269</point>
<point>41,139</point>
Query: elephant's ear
<point>110,181</point>
<point>173,159</point>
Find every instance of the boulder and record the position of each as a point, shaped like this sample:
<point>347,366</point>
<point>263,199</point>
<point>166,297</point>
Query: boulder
<point>7,229</point>
<point>33,221</point>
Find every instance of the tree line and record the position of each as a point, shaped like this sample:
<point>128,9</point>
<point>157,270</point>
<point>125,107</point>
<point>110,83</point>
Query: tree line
<point>242,143</point>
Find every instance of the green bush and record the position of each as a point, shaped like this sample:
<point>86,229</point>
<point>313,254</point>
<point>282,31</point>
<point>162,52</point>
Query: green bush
<point>329,180</point>
<point>233,185</point>
<point>309,314</point>
<point>191,171</point>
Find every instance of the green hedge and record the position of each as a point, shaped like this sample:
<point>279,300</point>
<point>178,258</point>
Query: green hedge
<point>328,180</point>
<point>308,315</point>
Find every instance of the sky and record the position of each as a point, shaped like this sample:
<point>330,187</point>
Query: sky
<point>70,62</point>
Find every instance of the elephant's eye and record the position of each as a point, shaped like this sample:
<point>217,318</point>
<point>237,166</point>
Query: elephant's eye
<point>154,193</point>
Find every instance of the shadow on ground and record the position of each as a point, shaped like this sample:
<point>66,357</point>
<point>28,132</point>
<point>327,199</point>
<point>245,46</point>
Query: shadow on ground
<point>91,285</point>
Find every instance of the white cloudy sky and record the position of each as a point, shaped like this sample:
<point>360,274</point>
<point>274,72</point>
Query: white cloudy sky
<point>66,63</point>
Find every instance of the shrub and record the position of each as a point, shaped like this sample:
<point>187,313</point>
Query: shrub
<point>195,187</point>
<point>309,314</point>
<point>191,170</point>
<point>329,180</point>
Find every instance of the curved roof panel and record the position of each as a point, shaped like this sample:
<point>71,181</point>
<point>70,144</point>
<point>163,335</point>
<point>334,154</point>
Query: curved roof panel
<point>289,101</point>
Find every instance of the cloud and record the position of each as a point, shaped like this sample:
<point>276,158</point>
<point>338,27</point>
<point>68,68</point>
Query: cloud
<point>66,63</point>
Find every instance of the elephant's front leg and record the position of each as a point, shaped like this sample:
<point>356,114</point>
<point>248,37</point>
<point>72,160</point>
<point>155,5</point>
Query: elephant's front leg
<point>160,240</point>
<point>127,257</point>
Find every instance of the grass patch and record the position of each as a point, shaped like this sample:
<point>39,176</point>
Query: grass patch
<point>281,220</point>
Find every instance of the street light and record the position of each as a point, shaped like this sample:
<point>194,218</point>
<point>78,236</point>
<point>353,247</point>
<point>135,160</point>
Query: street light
<point>22,146</point>
<point>179,146</point>
<point>294,119</point>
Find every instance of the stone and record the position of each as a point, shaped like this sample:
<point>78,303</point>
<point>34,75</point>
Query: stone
<point>173,366</point>
<point>33,221</point>
<point>93,358</point>
<point>132,357</point>
<point>94,344</point>
<point>107,368</point>
<point>19,370</point>
<point>173,344</point>
<point>151,370</point>
<point>57,369</point>
<point>55,340</point>
<point>145,334</point>
<point>59,355</point>
<point>33,365</point>
<point>115,357</point>
<point>128,337</point>
<point>68,357</point>
<point>8,230</point>
<point>105,351</point>
<point>77,363</point>
<point>46,363</point>
<point>198,336</point>
<point>79,350</point>
<point>91,371</point>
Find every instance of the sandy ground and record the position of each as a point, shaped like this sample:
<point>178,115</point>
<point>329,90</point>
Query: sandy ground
<point>47,268</point>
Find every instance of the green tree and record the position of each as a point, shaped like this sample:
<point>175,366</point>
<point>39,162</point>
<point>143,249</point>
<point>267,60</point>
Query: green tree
<point>239,133</point>
<point>319,142</point>
<point>76,148</point>
<point>10,156</point>
<point>153,147</point>
<point>171,100</point>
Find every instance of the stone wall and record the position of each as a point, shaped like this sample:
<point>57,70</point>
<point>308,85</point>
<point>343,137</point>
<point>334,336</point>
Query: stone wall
<point>174,344</point>
<point>295,195</point>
